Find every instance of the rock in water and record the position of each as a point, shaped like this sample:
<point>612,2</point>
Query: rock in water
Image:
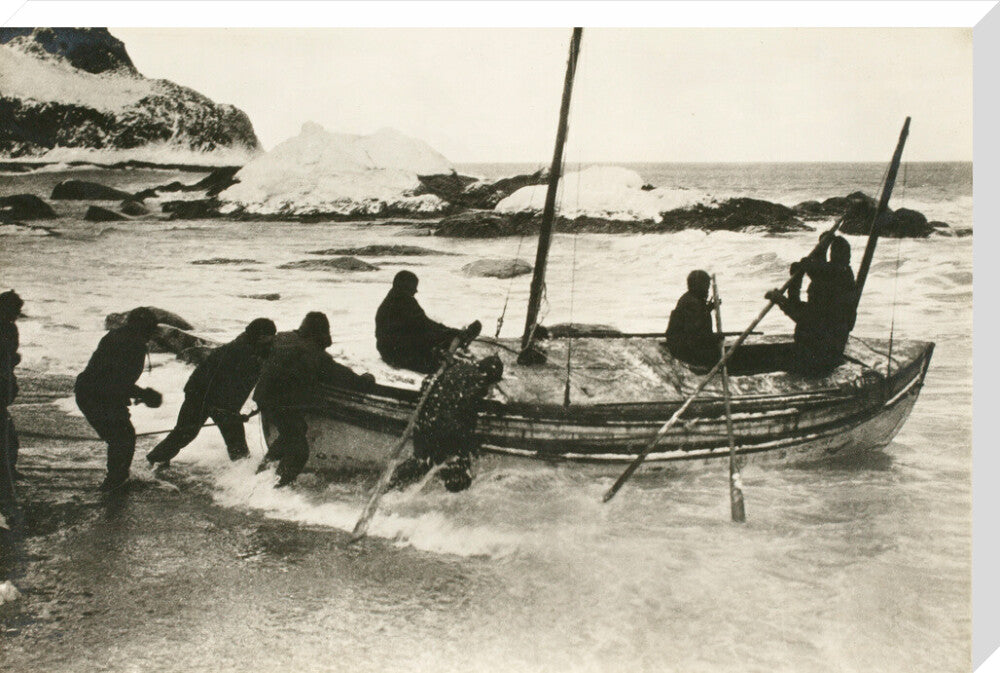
<point>134,208</point>
<point>197,209</point>
<point>267,296</point>
<point>98,214</point>
<point>172,340</point>
<point>740,214</point>
<point>908,223</point>
<point>497,268</point>
<point>335,264</point>
<point>81,190</point>
<point>25,207</point>
<point>381,251</point>
<point>225,260</point>
<point>163,317</point>
<point>486,224</point>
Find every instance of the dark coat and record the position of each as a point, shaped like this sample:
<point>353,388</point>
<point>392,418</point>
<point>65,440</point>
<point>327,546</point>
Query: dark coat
<point>689,332</point>
<point>824,321</point>
<point>295,368</point>
<point>404,335</point>
<point>227,375</point>
<point>114,367</point>
<point>446,425</point>
<point>9,358</point>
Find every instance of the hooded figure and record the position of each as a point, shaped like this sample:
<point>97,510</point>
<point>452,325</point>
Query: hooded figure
<point>689,332</point>
<point>404,335</point>
<point>445,432</point>
<point>824,321</point>
<point>10,309</point>
<point>217,389</point>
<point>104,390</point>
<point>297,364</point>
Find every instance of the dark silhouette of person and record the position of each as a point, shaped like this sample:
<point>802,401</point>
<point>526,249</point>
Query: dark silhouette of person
<point>10,310</point>
<point>217,389</point>
<point>824,321</point>
<point>296,365</point>
<point>106,386</point>
<point>689,332</point>
<point>404,335</point>
<point>445,432</point>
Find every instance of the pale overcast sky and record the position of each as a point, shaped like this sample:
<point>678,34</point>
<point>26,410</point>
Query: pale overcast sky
<point>809,94</point>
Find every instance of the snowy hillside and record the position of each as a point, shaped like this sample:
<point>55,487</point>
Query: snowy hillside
<point>608,192</point>
<point>70,93</point>
<point>322,172</point>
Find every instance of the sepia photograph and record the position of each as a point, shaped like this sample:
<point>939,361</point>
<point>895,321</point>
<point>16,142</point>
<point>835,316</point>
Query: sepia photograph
<point>558,348</point>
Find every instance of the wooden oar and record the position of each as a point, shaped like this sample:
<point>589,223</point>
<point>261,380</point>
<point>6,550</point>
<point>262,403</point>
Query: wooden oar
<point>736,506</point>
<point>361,527</point>
<point>824,241</point>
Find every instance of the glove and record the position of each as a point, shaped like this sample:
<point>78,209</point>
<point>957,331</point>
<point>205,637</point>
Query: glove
<point>472,331</point>
<point>774,295</point>
<point>151,398</point>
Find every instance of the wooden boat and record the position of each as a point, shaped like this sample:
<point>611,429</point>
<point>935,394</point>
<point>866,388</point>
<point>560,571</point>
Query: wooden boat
<point>622,390</point>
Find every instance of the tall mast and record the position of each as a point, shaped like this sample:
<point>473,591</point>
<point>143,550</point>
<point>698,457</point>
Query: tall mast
<point>883,206</point>
<point>548,214</point>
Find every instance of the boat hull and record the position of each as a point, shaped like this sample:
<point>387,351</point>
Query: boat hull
<point>354,431</point>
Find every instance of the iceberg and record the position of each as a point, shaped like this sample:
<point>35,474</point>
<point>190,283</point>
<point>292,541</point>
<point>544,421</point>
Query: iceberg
<point>607,192</point>
<point>319,172</point>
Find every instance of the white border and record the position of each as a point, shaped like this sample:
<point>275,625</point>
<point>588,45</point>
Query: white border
<point>494,13</point>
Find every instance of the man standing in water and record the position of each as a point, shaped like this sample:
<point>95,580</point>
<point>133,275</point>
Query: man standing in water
<point>217,389</point>
<point>404,335</point>
<point>445,433</point>
<point>10,309</point>
<point>297,363</point>
<point>105,387</point>
<point>824,321</point>
<point>689,332</point>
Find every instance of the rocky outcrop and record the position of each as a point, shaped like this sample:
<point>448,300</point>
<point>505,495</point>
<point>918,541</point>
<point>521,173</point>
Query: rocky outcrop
<point>78,88</point>
<point>98,214</point>
<point>740,214</point>
<point>163,317</point>
<point>92,50</point>
<point>334,264</point>
<point>81,190</point>
<point>195,209</point>
<point>749,215</point>
<point>858,211</point>
<point>24,207</point>
<point>466,192</point>
<point>497,268</point>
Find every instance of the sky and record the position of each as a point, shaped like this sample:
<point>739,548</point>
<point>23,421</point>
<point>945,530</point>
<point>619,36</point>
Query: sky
<point>641,95</point>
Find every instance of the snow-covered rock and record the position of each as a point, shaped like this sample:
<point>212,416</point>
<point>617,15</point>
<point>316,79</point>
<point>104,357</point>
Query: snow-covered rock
<point>74,94</point>
<point>607,192</point>
<point>318,172</point>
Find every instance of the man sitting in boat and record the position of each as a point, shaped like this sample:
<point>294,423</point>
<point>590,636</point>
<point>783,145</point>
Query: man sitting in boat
<point>404,335</point>
<point>297,363</point>
<point>824,321</point>
<point>445,432</point>
<point>689,333</point>
<point>218,389</point>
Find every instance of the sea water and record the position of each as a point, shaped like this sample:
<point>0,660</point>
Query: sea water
<point>861,566</point>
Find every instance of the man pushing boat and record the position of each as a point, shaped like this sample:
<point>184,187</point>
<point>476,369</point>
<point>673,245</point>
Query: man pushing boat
<point>297,363</point>
<point>445,432</point>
